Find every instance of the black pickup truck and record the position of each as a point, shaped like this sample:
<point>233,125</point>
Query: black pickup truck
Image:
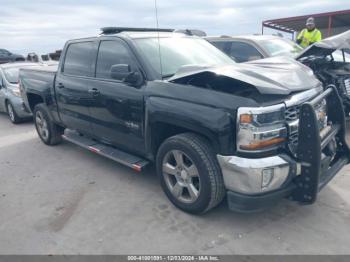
<point>213,128</point>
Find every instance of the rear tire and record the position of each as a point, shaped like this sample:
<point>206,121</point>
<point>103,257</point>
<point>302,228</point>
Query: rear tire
<point>49,132</point>
<point>189,173</point>
<point>12,113</point>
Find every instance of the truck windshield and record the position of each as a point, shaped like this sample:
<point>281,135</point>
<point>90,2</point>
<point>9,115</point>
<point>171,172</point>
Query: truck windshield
<point>275,47</point>
<point>180,51</point>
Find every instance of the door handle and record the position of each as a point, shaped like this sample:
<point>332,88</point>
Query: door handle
<point>60,85</point>
<point>94,91</point>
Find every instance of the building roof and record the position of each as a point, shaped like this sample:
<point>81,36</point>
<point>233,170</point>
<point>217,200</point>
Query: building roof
<point>330,23</point>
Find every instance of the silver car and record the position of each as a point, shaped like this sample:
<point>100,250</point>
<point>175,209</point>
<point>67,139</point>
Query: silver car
<point>10,97</point>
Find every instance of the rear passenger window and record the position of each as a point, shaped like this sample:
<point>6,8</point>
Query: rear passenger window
<point>243,52</point>
<point>80,58</point>
<point>112,53</point>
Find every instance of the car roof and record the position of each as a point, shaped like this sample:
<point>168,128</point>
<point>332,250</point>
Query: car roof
<point>245,37</point>
<point>17,64</point>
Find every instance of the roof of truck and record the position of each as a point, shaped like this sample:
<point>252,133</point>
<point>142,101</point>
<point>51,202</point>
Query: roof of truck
<point>133,35</point>
<point>44,68</point>
<point>136,31</point>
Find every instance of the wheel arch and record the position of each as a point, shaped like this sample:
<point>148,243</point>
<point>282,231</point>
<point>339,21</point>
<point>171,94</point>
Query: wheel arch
<point>160,131</point>
<point>166,117</point>
<point>34,99</point>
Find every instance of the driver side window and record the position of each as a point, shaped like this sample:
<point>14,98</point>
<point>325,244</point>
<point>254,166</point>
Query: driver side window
<point>112,53</point>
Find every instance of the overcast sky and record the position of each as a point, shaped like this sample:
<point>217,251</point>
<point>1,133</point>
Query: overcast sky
<point>44,26</point>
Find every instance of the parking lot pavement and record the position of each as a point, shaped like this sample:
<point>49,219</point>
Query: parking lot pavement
<point>65,200</point>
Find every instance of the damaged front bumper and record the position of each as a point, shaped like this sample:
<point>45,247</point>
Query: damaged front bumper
<point>254,184</point>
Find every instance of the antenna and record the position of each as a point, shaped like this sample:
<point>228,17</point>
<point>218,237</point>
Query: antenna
<point>159,51</point>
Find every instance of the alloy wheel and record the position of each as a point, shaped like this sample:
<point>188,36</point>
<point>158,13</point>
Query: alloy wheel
<point>181,176</point>
<point>11,112</point>
<point>41,124</point>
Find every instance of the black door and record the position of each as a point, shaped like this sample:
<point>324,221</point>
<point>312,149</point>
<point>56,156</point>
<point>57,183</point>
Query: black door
<point>117,114</point>
<point>73,85</point>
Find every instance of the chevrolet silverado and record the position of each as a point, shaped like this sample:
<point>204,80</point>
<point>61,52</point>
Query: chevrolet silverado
<point>213,128</point>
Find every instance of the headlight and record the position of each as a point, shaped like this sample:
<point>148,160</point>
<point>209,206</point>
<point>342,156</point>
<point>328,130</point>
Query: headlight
<point>260,129</point>
<point>15,92</point>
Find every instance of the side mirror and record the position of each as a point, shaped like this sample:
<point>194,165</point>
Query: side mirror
<point>123,73</point>
<point>120,71</point>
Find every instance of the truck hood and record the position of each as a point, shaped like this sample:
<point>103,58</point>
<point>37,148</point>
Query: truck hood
<point>327,46</point>
<point>276,75</point>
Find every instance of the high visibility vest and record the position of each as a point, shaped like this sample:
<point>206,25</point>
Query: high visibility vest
<point>309,38</point>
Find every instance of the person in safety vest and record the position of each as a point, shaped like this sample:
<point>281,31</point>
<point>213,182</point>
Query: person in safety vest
<point>310,34</point>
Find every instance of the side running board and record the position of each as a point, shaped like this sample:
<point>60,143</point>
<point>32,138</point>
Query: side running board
<point>134,162</point>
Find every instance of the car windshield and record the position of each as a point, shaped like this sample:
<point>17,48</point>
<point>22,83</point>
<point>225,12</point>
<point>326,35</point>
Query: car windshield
<point>11,75</point>
<point>275,47</point>
<point>180,51</point>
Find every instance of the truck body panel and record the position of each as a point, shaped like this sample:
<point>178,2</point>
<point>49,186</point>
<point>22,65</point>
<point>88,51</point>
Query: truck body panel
<point>249,115</point>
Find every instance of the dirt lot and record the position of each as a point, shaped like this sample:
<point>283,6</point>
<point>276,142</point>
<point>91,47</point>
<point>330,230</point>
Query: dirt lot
<point>65,200</point>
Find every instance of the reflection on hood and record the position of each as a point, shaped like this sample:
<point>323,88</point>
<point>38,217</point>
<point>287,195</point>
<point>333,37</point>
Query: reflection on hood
<point>277,75</point>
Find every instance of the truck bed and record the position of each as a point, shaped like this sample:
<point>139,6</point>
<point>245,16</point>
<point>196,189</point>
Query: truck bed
<point>37,80</point>
<point>40,68</point>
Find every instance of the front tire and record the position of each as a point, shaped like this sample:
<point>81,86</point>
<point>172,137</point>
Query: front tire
<point>48,131</point>
<point>12,113</point>
<point>189,173</point>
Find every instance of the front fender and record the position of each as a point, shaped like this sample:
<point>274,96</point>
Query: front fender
<point>216,124</point>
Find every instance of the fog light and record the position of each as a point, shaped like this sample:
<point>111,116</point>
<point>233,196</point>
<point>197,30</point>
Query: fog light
<point>267,176</point>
